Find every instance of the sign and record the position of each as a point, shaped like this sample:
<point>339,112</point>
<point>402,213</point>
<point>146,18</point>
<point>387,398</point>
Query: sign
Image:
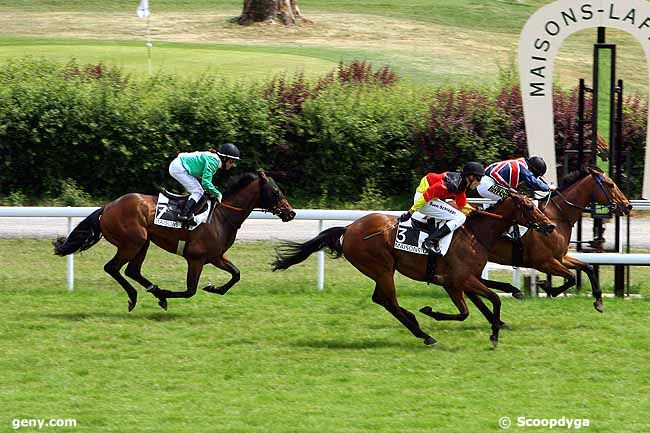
<point>540,42</point>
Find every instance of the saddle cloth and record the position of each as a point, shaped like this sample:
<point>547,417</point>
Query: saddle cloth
<point>410,238</point>
<point>166,211</point>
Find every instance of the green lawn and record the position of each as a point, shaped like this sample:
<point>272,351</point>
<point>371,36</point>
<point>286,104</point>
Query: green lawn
<point>183,60</point>
<point>275,355</point>
<point>426,41</point>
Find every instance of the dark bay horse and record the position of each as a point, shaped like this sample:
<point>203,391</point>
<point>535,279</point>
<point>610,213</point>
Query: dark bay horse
<point>127,223</point>
<point>548,254</point>
<point>368,242</point>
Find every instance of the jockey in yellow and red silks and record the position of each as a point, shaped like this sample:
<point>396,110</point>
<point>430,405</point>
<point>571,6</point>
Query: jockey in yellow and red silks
<point>429,200</point>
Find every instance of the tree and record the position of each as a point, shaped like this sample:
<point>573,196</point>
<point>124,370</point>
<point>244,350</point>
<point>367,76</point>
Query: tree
<point>286,12</point>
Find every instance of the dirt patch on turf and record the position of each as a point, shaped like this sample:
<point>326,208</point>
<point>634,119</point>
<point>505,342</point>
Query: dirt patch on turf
<point>345,31</point>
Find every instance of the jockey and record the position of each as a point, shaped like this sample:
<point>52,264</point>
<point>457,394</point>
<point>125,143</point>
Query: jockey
<point>430,196</point>
<point>510,174</point>
<point>188,167</point>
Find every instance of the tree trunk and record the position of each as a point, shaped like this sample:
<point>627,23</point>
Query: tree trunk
<point>286,12</point>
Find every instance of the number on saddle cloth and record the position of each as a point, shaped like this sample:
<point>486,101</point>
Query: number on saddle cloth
<point>412,233</point>
<point>169,206</point>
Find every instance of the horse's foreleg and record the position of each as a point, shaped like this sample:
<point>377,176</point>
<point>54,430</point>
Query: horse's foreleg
<point>555,267</point>
<point>458,299</point>
<point>225,264</point>
<point>484,309</point>
<point>385,296</point>
<point>503,287</point>
<point>194,268</point>
<point>476,286</point>
<point>579,265</point>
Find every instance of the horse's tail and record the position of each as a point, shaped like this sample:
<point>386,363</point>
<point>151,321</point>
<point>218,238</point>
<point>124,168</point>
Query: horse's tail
<point>291,253</point>
<point>84,236</point>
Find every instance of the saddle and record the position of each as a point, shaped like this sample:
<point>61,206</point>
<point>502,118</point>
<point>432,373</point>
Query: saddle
<point>169,206</point>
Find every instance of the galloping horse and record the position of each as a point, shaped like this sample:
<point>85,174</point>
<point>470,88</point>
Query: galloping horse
<point>549,253</point>
<point>368,242</point>
<point>127,223</point>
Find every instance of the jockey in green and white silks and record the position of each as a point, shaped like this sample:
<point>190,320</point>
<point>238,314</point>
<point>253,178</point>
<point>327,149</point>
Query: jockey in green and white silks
<point>188,167</point>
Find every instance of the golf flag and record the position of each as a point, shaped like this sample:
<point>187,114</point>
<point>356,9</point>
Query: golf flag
<point>143,9</point>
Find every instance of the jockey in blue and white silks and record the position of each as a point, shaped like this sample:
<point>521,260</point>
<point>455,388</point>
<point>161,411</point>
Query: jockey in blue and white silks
<point>510,174</point>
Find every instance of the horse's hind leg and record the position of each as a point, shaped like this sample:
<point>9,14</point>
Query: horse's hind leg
<point>113,267</point>
<point>225,264</point>
<point>134,269</point>
<point>385,296</point>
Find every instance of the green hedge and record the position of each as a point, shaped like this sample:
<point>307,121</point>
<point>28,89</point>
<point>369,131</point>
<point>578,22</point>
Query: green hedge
<point>353,136</point>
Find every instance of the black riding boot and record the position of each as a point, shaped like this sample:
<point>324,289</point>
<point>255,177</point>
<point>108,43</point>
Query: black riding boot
<point>186,213</point>
<point>431,242</point>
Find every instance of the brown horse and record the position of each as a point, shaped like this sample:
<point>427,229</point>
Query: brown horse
<point>368,242</point>
<point>549,253</point>
<point>127,223</point>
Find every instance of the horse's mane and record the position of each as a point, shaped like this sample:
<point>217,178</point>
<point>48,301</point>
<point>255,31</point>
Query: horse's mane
<point>574,176</point>
<point>235,184</point>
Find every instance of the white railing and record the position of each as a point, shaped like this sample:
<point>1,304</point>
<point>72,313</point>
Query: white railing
<point>320,216</point>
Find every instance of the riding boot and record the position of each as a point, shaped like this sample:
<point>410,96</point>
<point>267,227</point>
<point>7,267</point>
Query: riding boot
<point>186,213</point>
<point>431,242</point>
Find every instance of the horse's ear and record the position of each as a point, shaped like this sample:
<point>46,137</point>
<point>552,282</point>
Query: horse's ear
<point>593,169</point>
<point>262,175</point>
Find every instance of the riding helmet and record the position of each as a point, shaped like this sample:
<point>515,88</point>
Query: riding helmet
<point>229,151</point>
<point>537,165</point>
<point>474,168</point>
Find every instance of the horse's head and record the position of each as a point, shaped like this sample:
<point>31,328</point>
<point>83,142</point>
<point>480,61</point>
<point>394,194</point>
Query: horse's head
<point>273,200</point>
<point>525,213</point>
<point>605,191</point>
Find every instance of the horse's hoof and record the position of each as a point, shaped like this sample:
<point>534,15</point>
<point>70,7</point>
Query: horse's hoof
<point>518,295</point>
<point>216,290</point>
<point>598,305</point>
<point>494,340</point>
<point>132,303</point>
<point>430,341</point>
<point>163,303</point>
<point>426,310</point>
<point>504,325</point>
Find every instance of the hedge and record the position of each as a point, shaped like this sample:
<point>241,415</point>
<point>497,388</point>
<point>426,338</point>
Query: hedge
<point>331,140</point>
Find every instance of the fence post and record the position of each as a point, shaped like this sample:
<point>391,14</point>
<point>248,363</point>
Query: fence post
<point>321,262</point>
<point>70,261</point>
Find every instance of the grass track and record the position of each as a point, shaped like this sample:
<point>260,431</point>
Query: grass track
<point>274,355</point>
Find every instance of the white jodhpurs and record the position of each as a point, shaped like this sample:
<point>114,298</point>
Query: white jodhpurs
<point>189,182</point>
<point>440,210</point>
<point>488,188</point>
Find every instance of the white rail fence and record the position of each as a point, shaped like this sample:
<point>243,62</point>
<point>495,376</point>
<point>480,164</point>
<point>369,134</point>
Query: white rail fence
<point>321,216</point>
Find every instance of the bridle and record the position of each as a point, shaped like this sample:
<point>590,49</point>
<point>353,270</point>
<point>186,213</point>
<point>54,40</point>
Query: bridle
<point>612,205</point>
<point>276,209</point>
<point>530,224</point>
